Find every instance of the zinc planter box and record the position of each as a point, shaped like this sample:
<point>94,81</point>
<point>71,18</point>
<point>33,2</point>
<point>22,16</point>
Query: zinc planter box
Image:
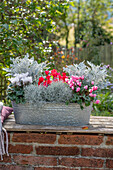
<point>52,114</point>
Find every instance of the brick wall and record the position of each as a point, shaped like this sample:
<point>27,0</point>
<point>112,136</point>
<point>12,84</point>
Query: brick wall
<point>36,151</point>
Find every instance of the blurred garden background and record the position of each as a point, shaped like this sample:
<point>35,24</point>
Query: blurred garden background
<point>62,32</point>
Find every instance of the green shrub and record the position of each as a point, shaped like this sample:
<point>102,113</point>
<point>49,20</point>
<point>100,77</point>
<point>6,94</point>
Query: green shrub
<point>27,27</point>
<point>105,108</point>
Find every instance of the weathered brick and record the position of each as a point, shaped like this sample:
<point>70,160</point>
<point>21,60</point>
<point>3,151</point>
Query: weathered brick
<point>109,140</point>
<point>88,169</point>
<point>33,160</point>
<point>14,167</point>
<point>97,152</point>
<point>81,162</point>
<point>109,163</point>
<point>20,149</point>
<point>34,137</point>
<point>80,139</point>
<point>54,168</point>
<point>57,150</point>
<point>93,169</point>
<point>6,159</point>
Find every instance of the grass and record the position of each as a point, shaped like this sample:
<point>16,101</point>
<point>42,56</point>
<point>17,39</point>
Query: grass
<point>103,113</point>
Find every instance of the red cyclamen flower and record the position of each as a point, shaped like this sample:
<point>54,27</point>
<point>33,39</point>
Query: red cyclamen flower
<point>41,79</point>
<point>64,76</point>
<point>47,72</point>
<point>54,73</point>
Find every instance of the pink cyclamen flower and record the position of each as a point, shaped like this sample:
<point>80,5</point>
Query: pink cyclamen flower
<point>80,84</point>
<point>77,78</point>
<point>71,80</point>
<point>78,89</point>
<point>94,88</point>
<point>72,77</point>
<point>90,90</point>
<point>97,101</point>
<point>86,87</point>
<point>66,80</point>
<point>91,95</point>
<point>72,87</point>
<point>82,78</point>
<point>94,95</point>
<point>92,82</point>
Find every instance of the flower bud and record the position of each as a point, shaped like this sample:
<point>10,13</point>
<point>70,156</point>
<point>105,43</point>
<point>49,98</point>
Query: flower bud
<point>92,82</point>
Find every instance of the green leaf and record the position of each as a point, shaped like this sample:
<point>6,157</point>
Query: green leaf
<point>6,26</point>
<point>59,12</point>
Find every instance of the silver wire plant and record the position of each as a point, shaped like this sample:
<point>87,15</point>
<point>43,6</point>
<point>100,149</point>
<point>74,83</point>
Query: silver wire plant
<point>57,92</point>
<point>23,70</point>
<point>25,65</point>
<point>91,72</point>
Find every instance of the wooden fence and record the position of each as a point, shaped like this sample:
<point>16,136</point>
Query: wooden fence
<point>96,54</point>
<point>106,54</point>
<point>103,54</point>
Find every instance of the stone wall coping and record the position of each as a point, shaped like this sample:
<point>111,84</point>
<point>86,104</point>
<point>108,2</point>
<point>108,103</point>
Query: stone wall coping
<point>97,125</point>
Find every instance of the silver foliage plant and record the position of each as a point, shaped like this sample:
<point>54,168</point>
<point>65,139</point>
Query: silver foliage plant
<point>57,92</point>
<point>25,65</point>
<point>91,72</point>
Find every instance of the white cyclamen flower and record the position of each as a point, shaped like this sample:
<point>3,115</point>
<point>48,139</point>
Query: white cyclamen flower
<point>22,75</point>
<point>14,80</point>
<point>27,80</point>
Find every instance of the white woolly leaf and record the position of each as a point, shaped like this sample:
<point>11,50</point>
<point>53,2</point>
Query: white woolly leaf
<point>91,72</point>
